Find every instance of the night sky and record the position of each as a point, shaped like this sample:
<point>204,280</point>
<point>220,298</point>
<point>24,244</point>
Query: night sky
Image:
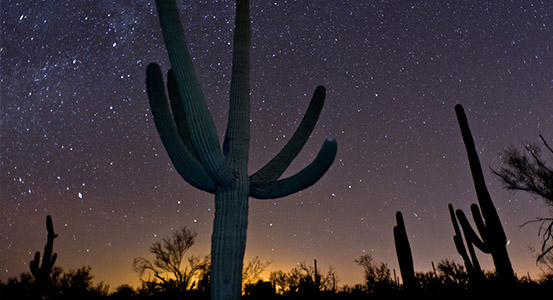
<point>78,141</point>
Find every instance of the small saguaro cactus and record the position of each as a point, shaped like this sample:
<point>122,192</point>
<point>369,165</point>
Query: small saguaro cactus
<point>471,263</point>
<point>492,236</point>
<point>41,271</point>
<point>404,256</point>
<point>317,276</point>
<point>190,138</point>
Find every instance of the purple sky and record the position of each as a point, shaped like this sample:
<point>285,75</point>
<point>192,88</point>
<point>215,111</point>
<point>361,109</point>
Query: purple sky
<point>78,141</point>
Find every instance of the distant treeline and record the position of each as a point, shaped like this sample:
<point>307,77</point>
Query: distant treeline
<point>448,279</point>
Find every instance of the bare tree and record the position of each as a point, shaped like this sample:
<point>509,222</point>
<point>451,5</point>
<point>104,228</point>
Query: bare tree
<point>252,271</point>
<point>530,173</point>
<point>280,281</point>
<point>167,267</point>
<point>376,276</point>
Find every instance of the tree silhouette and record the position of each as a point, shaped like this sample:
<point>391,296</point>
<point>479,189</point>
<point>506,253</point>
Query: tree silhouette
<point>124,291</point>
<point>377,276</point>
<point>77,284</point>
<point>531,173</point>
<point>452,273</point>
<point>252,271</point>
<point>304,281</point>
<point>190,139</point>
<point>167,267</point>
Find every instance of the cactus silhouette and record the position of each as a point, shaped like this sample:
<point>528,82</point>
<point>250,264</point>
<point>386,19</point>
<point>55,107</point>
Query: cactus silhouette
<point>42,271</point>
<point>471,263</point>
<point>492,238</point>
<point>189,135</point>
<point>404,256</point>
<point>317,276</point>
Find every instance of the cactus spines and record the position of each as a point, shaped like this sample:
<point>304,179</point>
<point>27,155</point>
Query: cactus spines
<point>41,271</point>
<point>404,256</point>
<point>492,236</point>
<point>189,136</point>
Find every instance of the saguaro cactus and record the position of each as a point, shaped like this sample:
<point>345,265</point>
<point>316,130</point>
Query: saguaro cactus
<point>317,277</point>
<point>471,263</point>
<point>190,138</point>
<point>42,271</point>
<point>404,256</point>
<point>492,236</point>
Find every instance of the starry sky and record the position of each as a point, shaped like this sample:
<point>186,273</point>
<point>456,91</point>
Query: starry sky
<point>78,141</point>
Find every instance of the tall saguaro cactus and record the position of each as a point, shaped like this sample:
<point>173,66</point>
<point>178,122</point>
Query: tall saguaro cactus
<point>492,236</point>
<point>404,256</point>
<point>188,133</point>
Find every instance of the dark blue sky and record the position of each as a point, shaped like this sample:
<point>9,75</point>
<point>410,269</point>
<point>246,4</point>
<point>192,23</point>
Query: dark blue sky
<point>78,141</point>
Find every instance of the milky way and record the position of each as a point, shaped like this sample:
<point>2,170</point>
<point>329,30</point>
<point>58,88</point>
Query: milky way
<point>78,141</point>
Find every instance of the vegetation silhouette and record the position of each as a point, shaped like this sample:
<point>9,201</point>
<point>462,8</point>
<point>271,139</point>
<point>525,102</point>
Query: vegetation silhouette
<point>167,267</point>
<point>74,284</point>
<point>190,138</point>
<point>377,276</point>
<point>531,173</point>
<point>303,282</point>
<point>492,238</point>
<point>449,280</point>
<point>252,272</point>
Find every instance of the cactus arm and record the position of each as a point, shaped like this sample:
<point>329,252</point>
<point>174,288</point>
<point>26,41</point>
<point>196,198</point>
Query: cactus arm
<point>301,180</point>
<point>185,164</point>
<point>237,136</point>
<point>456,228</point>
<point>475,263</point>
<point>202,128</point>
<point>479,222</point>
<point>460,245</point>
<point>278,165</point>
<point>177,108</point>
<point>470,235</point>
<point>457,238</point>
<point>34,265</point>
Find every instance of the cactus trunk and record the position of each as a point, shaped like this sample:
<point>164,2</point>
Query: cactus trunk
<point>404,256</point>
<point>228,241</point>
